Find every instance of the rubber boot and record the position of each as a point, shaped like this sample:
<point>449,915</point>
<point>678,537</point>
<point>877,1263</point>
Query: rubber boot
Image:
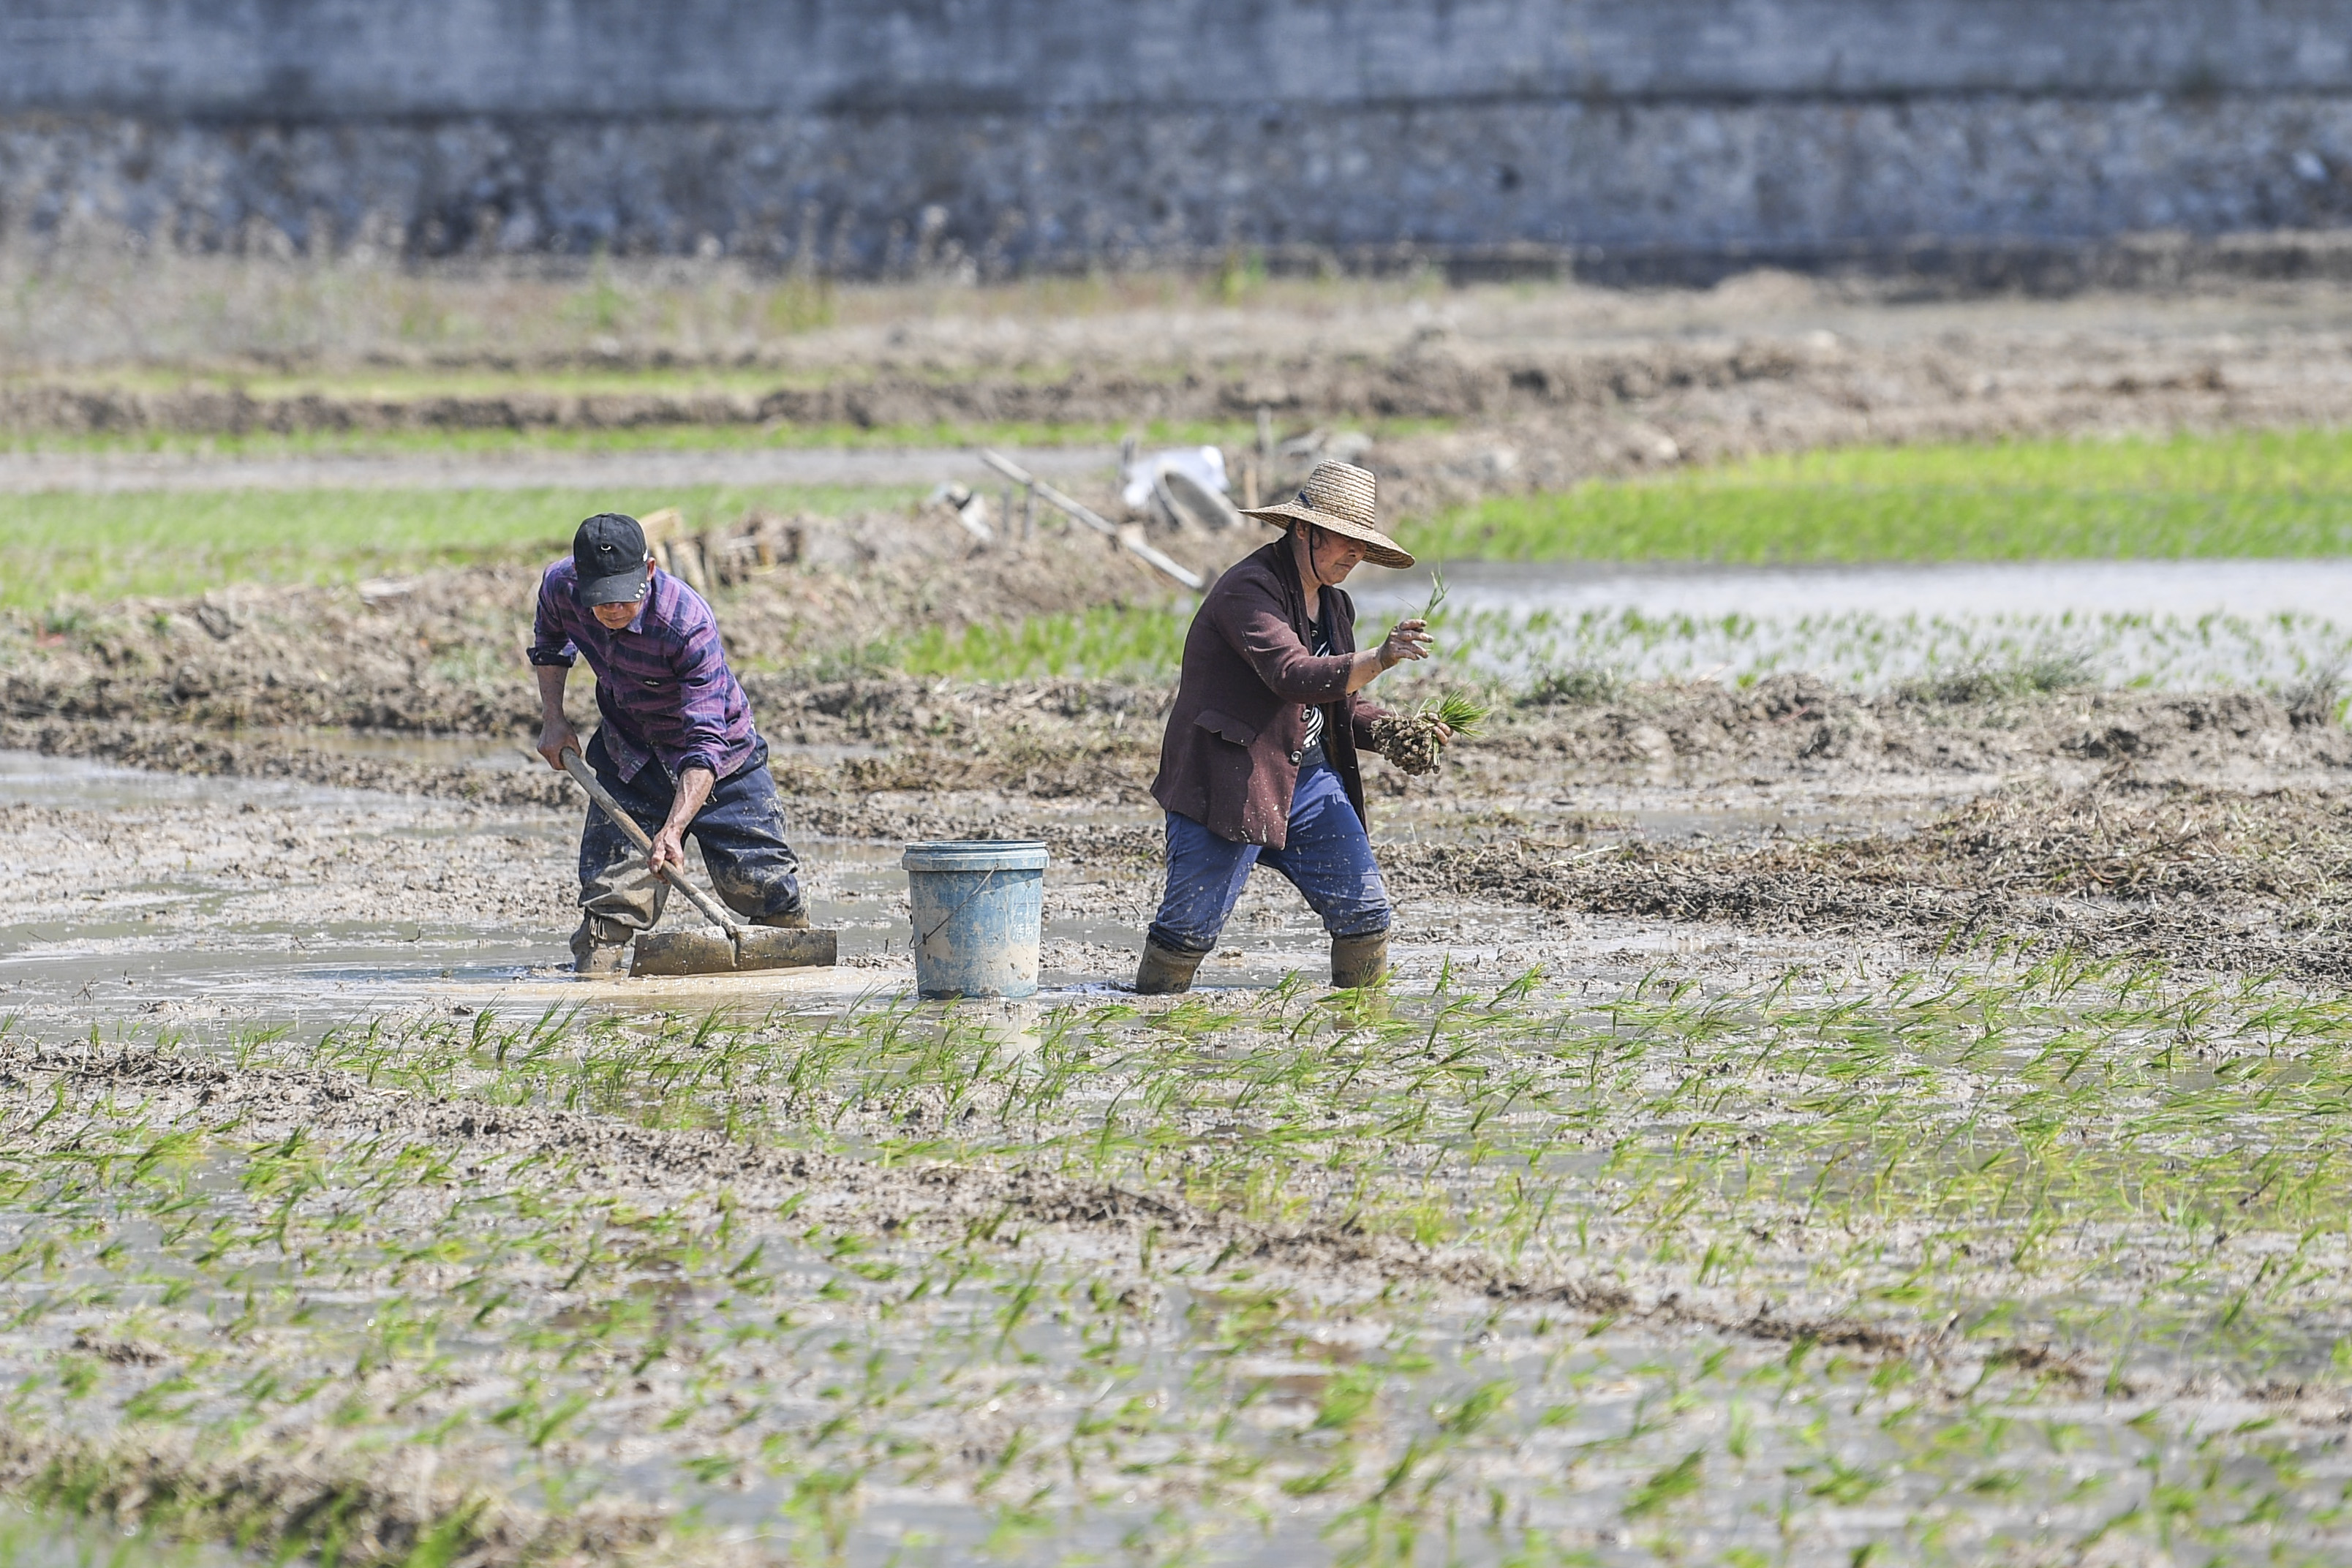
<point>791,919</point>
<point>593,954</point>
<point>1359,961</point>
<point>1164,971</point>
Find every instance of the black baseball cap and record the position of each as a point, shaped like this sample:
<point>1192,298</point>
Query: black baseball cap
<point>610,551</point>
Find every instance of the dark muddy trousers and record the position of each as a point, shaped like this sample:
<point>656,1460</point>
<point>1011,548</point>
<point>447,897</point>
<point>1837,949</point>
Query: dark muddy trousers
<point>740,829</point>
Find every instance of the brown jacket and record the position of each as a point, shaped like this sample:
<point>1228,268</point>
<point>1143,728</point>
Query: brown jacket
<point>1230,760</point>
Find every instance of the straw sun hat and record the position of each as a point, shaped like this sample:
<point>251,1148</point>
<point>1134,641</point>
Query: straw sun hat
<point>1340,497</point>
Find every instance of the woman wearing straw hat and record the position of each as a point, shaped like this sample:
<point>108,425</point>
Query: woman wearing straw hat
<point>1259,766</point>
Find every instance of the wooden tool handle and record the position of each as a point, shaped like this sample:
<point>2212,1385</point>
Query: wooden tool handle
<point>583,776</point>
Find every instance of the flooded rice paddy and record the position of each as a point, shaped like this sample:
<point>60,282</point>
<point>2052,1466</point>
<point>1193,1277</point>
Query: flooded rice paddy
<point>2178,625</point>
<point>1719,1180</point>
<point>2033,1263</point>
<point>203,904</point>
<point>335,1217</point>
<point>196,903</point>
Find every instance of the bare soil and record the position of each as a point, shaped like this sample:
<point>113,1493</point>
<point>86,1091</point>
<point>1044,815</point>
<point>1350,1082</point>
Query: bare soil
<point>442,651</point>
<point>227,684</point>
<point>2208,829</point>
<point>2252,882</point>
<point>1533,387</point>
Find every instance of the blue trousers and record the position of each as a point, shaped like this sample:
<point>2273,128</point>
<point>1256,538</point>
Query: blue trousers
<point>1326,856</point>
<point>740,829</point>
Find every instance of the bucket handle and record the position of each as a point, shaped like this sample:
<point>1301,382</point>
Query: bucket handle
<point>925,939</point>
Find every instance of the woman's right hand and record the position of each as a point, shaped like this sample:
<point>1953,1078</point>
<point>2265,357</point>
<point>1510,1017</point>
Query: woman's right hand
<point>1406,641</point>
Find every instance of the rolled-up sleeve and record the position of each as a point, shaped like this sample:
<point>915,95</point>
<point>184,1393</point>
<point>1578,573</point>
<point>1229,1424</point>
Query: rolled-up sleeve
<point>1252,623</point>
<point>550,643</point>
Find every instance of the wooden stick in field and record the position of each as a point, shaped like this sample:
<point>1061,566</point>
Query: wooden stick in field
<point>1126,538</point>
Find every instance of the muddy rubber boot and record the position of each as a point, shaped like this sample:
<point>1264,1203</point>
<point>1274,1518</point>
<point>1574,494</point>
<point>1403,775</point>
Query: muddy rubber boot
<point>1359,961</point>
<point>592,956</point>
<point>1164,972</point>
<point>791,919</point>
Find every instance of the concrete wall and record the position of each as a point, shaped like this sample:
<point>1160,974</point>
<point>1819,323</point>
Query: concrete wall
<point>864,135</point>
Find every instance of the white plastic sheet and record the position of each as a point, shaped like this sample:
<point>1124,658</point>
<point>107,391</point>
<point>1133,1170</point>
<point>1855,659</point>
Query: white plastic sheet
<point>1205,464</point>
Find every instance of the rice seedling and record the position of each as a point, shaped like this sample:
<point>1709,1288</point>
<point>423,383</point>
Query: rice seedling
<point>2031,672</point>
<point>1106,642</point>
<point>1582,685</point>
<point>1413,741</point>
<point>2238,493</point>
<point>1790,1267</point>
<point>2013,653</point>
<point>1583,656</point>
<point>42,1539</point>
<point>1438,595</point>
<point>1458,711</point>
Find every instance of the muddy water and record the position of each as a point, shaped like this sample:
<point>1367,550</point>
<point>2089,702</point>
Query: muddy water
<point>215,943</point>
<point>199,943</point>
<point>212,907</point>
<point>148,901</point>
<point>30,1538</point>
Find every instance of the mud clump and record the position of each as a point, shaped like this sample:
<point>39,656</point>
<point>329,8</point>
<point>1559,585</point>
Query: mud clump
<point>1797,725</point>
<point>372,1509</point>
<point>2209,879</point>
<point>1412,743</point>
<point>1070,740</point>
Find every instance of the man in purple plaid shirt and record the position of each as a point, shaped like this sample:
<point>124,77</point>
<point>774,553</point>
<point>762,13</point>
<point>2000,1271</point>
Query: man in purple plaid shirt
<point>675,745</point>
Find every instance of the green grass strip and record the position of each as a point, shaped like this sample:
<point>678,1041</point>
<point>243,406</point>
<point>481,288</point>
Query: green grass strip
<point>2238,494</point>
<point>106,547</point>
<point>1108,642</point>
<point>2271,493</point>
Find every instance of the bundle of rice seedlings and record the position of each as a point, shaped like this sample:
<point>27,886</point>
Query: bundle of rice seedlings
<point>1412,741</point>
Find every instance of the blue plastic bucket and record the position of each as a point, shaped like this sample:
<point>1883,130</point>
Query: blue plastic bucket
<point>978,906</point>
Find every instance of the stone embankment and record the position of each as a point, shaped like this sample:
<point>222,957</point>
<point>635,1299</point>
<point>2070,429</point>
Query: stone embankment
<point>1625,138</point>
